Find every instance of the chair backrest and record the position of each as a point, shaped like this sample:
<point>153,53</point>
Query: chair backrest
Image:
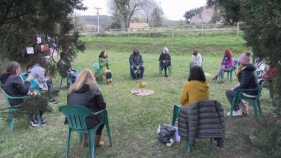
<point>260,88</point>
<point>7,97</point>
<point>24,76</point>
<point>96,66</point>
<point>76,116</point>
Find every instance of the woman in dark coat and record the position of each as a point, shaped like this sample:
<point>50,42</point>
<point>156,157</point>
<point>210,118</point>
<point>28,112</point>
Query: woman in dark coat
<point>85,92</point>
<point>247,80</point>
<point>165,60</point>
<point>13,85</point>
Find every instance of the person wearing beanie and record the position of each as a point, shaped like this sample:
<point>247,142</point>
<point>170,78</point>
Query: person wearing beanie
<point>247,80</point>
<point>227,64</point>
<point>165,60</point>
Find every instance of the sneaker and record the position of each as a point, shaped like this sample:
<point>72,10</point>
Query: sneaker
<point>235,113</point>
<point>109,83</point>
<point>36,123</point>
<point>166,76</point>
<point>221,82</point>
<point>53,101</point>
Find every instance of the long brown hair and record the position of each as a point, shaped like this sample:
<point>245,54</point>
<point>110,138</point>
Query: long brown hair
<point>13,67</point>
<point>239,71</point>
<point>86,76</point>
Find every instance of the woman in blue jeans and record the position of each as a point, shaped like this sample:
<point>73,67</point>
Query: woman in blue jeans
<point>227,64</point>
<point>247,80</point>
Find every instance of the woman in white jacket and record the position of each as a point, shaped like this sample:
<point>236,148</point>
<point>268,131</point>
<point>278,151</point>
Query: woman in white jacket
<point>196,59</point>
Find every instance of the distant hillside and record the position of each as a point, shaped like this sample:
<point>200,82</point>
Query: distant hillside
<point>105,20</point>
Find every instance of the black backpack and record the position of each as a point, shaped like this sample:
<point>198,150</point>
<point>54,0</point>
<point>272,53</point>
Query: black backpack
<point>138,75</point>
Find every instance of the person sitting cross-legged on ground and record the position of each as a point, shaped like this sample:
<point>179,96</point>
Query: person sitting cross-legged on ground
<point>64,67</point>
<point>196,59</point>
<point>196,88</point>
<point>165,60</point>
<point>104,67</point>
<point>227,64</point>
<point>247,80</point>
<point>86,93</point>
<point>45,83</point>
<point>13,85</point>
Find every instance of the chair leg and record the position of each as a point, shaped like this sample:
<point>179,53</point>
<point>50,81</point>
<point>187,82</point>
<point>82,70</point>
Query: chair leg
<point>80,137</point>
<point>175,114</point>
<point>188,148</point>
<point>259,107</point>
<point>91,140</point>
<point>67,142</point>
<point>230,73</point>
<point>255,109</point>
<point>11,120</point>
<point>108,130</point>
<point>211,143</point>
<point>61,82</point>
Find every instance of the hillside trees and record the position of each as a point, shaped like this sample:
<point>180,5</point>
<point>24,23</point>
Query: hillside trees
<point>126,9</point>
<point>21,21</point>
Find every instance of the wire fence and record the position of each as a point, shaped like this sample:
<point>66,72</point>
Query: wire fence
<point>168,31</point>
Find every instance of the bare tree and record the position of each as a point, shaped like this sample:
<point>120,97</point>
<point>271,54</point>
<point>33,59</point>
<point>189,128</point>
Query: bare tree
<point>126,9</point>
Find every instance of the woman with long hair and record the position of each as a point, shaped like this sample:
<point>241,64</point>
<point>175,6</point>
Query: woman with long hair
<point>247,80</point>
<point>14,86</point>
<point>104,67</point>
<point>196,88</point>
<point>227,64</point>
<point>86,93</point>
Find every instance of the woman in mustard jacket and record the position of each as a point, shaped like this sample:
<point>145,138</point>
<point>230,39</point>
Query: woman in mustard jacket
<point>196,88</point>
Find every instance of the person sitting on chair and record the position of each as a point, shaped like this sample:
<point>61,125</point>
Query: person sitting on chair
<point>136,63</point>
<point>104,68</point>
<point>86,93</point>
<point>13,85</point>
<point>269,75</point>
<point>227,64</point>
<point>247,80</point>
<point>196,88</point>
<point>196,59</point>
<point>45,83</point>
<point>64,67</point>
<point>165,60</point>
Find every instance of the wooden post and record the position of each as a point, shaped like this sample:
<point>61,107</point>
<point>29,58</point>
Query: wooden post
<point>148,32</point>
<point>110,32</point>
<point>237,33</point>
<point>173,32</point>
<point>202,33</point>
<point>128,31</point>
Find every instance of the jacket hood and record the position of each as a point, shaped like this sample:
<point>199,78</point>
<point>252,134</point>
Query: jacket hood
<point>202,86</point>
<point>250,67</point>
<point>4,76</point>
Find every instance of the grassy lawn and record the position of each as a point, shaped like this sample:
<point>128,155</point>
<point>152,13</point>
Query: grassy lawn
<point>134,119</point>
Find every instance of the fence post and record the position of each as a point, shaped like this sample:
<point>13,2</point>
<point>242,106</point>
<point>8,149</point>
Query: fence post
<point>128,31</point>
<point>173,32</point>
<point>202,34</point>
<point>148,32</point>
<point>110,32</point>
<point>237,33</point>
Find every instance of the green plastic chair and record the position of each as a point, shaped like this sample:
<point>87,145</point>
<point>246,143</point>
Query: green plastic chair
<point>68,80</point>
<point>169,69</point>
<point>34,84</point>
<point>24,76</point>
<point>229,73</point>
<point>175,117</point>
<point>13,109</point>
<point>76,117</point>
<point>97,68</point>
<point>255,101</point>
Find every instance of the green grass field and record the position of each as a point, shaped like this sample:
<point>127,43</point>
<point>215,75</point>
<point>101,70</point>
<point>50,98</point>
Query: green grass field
<point>134,119</point>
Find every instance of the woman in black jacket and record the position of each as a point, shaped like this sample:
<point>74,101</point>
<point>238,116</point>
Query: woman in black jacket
<point>247,80</point>
<point>13,85</point>
<point>165,60</point>
<point>85,92</point>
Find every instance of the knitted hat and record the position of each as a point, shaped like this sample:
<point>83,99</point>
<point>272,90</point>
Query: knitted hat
<point>244,59</point>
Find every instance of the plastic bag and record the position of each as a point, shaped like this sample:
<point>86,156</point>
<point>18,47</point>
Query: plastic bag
<point>166,133</point>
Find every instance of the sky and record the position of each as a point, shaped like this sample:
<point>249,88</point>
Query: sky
<point>173,9</point>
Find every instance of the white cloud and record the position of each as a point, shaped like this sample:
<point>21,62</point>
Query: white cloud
<point>173,9</point>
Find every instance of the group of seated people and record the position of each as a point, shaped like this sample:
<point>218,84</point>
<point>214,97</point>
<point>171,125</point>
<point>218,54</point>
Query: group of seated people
<point>86,93</point>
